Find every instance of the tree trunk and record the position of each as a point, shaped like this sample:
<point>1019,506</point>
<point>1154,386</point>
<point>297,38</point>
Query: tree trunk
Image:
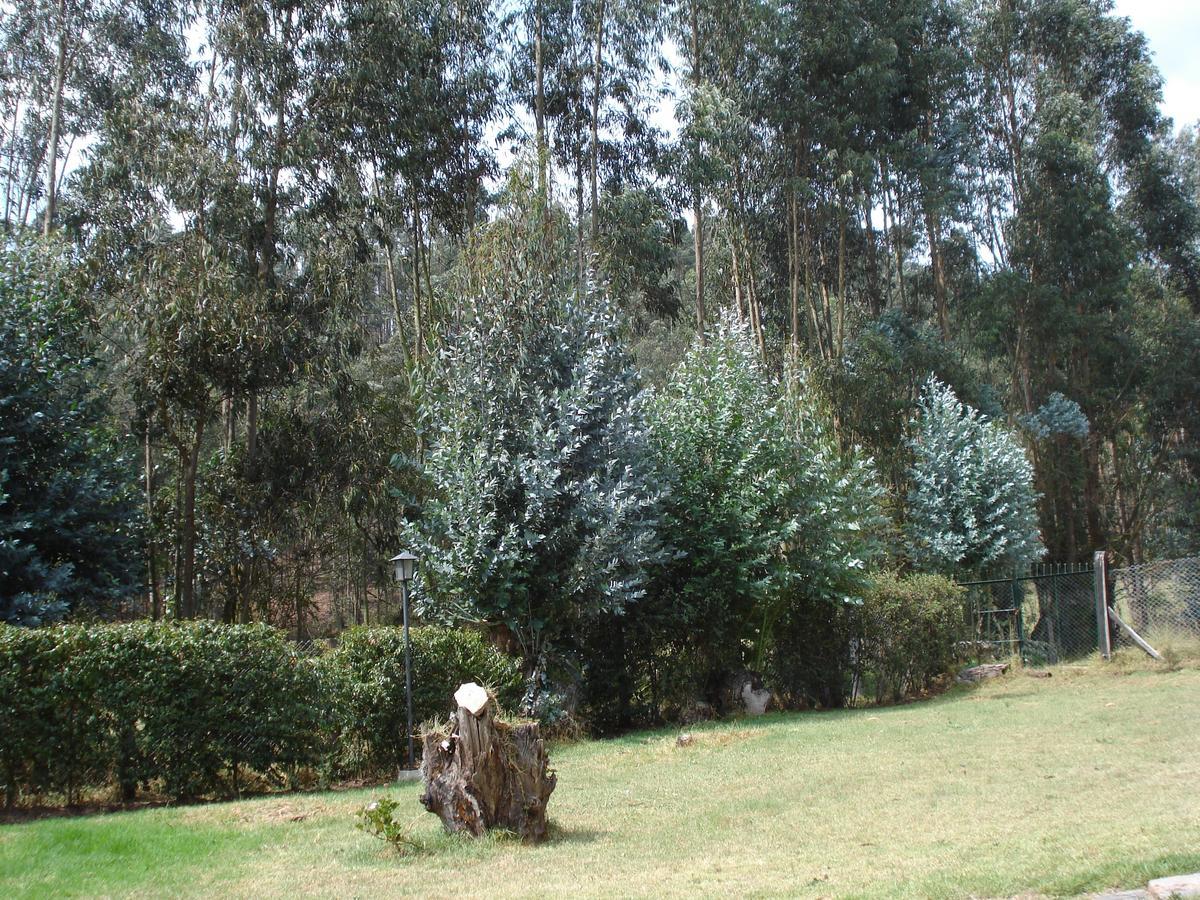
<point>841,276</point>
<point>539,115</point>
<point>9,179</point>
<point>481,775</point>
<point>418,325</point>
<point>60,75</point>
<point>580,267</point>
<point>251,427</point>
<point>933,227</point>
<point>737,278</point>
<point>593,150</point>
<point>187,539</point>
<point>794,272</point>
<point>698,209</point>
<point>151,551</point>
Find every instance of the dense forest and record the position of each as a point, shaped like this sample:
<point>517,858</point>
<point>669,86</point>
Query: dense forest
<point>615,309</point>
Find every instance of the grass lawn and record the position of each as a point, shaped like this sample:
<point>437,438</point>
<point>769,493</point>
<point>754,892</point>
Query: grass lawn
<point>1059,786</point>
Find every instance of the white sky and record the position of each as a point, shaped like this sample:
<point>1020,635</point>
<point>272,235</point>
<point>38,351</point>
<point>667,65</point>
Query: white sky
<point>1172,28</point>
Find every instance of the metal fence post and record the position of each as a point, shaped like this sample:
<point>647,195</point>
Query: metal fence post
<point>1052,624</point>
<point>1100,580</point>
<point>1018,602</point>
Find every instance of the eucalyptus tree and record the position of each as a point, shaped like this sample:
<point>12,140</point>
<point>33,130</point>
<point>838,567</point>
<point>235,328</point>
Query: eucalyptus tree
<point>972,506</point>
<point>62,60</point>
<point>1071,166</point>
<point>188,208</point>
<point>539,521</point>
<point>409,89</point>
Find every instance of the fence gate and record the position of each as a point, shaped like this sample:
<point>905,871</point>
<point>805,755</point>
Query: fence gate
<point>1045,615</point>
<point>1058,612</point>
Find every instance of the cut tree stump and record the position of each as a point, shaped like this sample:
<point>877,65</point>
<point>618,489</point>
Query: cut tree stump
<point>482,774</point>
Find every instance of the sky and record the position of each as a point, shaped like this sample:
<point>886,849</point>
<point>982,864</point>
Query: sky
<point>1172,28</point>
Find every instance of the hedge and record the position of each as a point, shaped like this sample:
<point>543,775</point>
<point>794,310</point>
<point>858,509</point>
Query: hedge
<point>186,707</point>
<point>193,709</point>
<point>907,633</point>
<point>365,674</point>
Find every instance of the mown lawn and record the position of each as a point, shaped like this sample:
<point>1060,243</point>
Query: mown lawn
<point>1060,786</point>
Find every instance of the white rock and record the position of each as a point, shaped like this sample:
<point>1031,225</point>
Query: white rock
<point>755,701</point>
<point>1176,886</point>
<point>472,698</point>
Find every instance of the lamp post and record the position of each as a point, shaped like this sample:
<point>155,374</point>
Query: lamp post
<point>404,565</point>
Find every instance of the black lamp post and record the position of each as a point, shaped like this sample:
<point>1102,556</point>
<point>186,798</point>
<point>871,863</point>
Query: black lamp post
<point>404,565</point>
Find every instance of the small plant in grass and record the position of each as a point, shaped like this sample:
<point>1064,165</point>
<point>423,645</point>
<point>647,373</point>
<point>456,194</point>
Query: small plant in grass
<point>1171,657</point>
<point>378,819</point>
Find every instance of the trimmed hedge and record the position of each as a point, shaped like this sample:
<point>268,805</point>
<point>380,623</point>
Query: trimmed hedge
<point>192,709</point>
<point>187,707</point>
<point>365,675</point>
<point>908,630</point>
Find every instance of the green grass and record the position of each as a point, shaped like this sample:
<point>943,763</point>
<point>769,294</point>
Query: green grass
<point>1084,781</point>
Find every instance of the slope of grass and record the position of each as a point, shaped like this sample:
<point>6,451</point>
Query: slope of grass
<point>1055,787</point>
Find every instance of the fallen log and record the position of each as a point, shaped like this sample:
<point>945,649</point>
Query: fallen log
<point>979,673</point>
<point>482,774</point>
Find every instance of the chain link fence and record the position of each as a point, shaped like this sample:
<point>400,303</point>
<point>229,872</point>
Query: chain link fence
<point>1160,600</point>
<point>1045,615</point>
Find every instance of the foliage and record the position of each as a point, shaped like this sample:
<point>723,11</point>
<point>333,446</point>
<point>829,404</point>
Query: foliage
<point>972,504</point>
<point>1058,415</point>
<point>189,709</point>
<point>721,444</point>
<point>68,514</point>
<point>195,710</point>
<point>542,508</point>
<point>364,675</point>
<point>908,628</point>
<point>877,383</point>
<point>378,819</point>
<point>762,510</point>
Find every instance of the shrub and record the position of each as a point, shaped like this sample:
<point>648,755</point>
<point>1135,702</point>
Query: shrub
<point>378,819</point>
<point>763,511</point>
<point>907,632</point>
<point>366,677</point>
<point>40,711</point>
<point>542,504</point>
<point>972,505</point>
<point>186,707</point>
<point>217,700</point>
<point>810,663</point>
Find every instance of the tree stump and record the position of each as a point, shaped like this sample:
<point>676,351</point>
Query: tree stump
<point>482,774</point>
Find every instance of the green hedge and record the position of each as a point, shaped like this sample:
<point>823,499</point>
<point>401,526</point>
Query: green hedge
<point>189,708</point>
<point>908,630</point>
<point>365,675</point>
<point>192,709</point>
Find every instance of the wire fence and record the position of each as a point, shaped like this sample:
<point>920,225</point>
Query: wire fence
<point>1045,615</point>
<point>1160,600</point>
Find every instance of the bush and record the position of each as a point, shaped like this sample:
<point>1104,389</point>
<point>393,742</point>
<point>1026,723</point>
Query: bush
<point>366,677</point>
<point>908,628</point>
<point>972,506</point>
<point>378,819</point>
<point>810,663</point>
<point>189,708</point>
<point>39,711</point>
<point>217,700</point>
